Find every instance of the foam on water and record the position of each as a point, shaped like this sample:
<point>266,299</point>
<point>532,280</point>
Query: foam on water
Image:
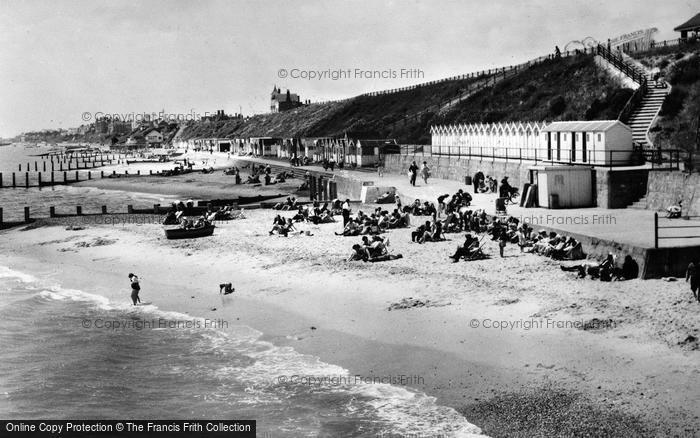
<point>6,272</point>
<point>247,371</point>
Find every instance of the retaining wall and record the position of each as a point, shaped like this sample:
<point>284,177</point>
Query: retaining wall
<point>667,188</point>
<point>612,188</point>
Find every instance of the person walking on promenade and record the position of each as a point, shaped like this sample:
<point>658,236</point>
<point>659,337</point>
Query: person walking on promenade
<point>425,172</point>
<point>692,275</point>
<point>135,288</point>
<point>413,171</point>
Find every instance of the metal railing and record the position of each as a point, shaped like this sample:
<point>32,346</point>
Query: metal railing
<point>668,160</point>
<point>625,67</point>
<point>694,234</point>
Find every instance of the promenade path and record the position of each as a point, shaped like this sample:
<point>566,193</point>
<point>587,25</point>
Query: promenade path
<point>629,226</point>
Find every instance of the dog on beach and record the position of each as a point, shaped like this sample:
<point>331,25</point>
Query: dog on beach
<point>226,288</point>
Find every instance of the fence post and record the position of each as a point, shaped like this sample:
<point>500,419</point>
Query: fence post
<point>656,230</point>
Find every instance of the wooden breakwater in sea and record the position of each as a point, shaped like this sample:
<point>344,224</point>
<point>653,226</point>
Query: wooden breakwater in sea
<point>64,169</point>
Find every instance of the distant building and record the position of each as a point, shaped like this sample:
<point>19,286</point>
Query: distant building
<point>690,28</point>
<point>117,127</point>
<point>283,101</point>
<point>153,138</point>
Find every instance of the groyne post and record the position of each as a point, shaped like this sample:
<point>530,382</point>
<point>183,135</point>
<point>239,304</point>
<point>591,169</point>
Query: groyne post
<point>0,179</point>
<point>76,176</point>
<point>104,209</point>
<point>39,176</point>
<point>26,179</point>
<point>65,176</point>
<point>78,210</point>
<point>0,215</point>
<point>130,209</point>
<point>156,208</point>
<point>26,214</point>
<point>52,211</point>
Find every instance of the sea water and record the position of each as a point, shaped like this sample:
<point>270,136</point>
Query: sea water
<point>64,198</point>
<point>59,360</point>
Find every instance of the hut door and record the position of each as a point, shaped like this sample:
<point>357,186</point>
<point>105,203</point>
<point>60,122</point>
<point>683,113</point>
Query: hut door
<point>584,153</point>
<point>558,146</point>
<point>533,177</point>
<point>573,146</point>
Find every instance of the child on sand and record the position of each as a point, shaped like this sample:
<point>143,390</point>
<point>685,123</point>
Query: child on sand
<point>135,288</point>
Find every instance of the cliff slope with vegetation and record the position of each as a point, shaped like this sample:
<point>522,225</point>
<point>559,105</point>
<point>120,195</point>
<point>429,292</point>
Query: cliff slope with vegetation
<point>557,89</point>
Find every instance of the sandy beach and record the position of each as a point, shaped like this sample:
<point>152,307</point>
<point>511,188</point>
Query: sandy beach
<point>500,340</point>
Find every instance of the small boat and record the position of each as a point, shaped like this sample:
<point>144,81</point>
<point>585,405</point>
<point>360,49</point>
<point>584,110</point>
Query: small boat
<point>192,233</point>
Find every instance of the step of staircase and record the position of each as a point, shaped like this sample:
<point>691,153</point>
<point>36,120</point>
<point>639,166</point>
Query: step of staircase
<point>641,204</point>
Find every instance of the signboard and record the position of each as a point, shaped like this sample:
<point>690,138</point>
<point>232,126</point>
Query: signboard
<point>638,40</point>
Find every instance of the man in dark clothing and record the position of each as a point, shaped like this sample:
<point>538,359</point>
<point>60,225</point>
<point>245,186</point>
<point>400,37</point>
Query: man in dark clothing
<point>505,189</point>
<point>464,250</point>
<point>418,233</point>
<point>346,212</point>
<point>692,275</point>
<point>414,172</point>
<point>478,177</point>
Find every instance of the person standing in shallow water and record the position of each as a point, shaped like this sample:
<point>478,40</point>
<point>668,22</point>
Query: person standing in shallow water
<point>135,288</point>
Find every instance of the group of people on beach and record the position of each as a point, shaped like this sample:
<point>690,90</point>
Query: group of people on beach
<point>607,270</point>
<point>316,213</point>
<point>372,250</point>
<point>295,161</point>
<point>374,223</point>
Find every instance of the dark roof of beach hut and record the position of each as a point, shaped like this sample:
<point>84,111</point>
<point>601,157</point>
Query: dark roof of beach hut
<point>692,24</point>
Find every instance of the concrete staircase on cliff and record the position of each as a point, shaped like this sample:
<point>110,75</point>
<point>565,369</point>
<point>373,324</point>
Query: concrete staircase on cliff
<point>643,117</point>
<point>645,111</point>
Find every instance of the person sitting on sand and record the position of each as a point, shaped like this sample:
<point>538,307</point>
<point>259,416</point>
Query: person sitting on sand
<point>290,204</point>
<point>433,233</point>
<point>302,215</point>
<point>252,179</point>
<point>386,198</point>
<point>419,233</point>
<point>466,250</point>
<point>358,253</point>
<point>629,271</point>
<point>352,228</point>
<point>226,288</point>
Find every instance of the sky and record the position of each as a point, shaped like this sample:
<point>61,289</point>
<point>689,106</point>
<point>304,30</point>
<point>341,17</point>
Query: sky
<point>63,62</point>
